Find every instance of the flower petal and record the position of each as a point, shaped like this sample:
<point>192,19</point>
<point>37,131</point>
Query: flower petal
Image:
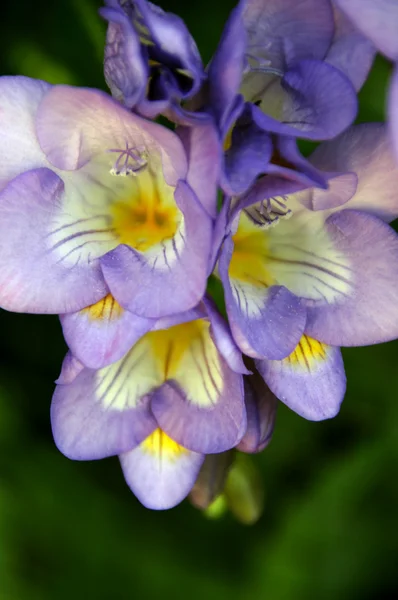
<point>365,150</point>
<point>393,110</point>
<point>160,472</point>
<point>106,412</point>
<point>19,100</point>
<point>341,188</point>
<point>202,147</point>
<point>171,277</point>
<point>350,51</point>
<point>261,411</point>
<point>206,429</point>
<point>377,19</point>
<point>286,31</point>
<point>226,67</point>
<point>311,381</point>
<point>302,256</point>
<point>33,277</point>
<point>71,367</point>
<point>103,332</point>
<point>367,313</point>
<point>201,404</point>
<point>125,68</point>
<point>294,165</point>
<point>173,42</point>
<point>265,322</point>
<point>89,122</point>
<point>248,156</point>
<point>224,340</point>
<point>221,229</point>
<point>266,188</point>
<point>314,100</point>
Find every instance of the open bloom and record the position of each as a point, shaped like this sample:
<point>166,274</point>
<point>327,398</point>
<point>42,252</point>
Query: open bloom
<point>306,272</point>
<point>96,200</point>
<point>282,66</point>
<point>151,61</point>
<point>176,395</point>
<point>287,68</point>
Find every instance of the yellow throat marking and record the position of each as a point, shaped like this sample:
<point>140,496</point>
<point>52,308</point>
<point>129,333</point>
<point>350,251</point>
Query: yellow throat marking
<point>106,309</point>
<point>184,353</point>
<point>307,353</point>
<point>148,215</point>
<point>249,258</point>
<point>160,444</point>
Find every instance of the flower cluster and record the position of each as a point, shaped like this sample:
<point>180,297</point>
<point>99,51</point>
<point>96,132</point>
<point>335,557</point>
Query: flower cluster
<point>124,228</point>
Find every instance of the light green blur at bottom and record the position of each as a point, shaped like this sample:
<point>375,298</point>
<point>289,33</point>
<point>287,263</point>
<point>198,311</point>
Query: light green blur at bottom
<point>243,493</point>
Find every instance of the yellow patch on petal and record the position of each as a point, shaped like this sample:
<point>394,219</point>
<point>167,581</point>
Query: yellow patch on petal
<point>187,354</point>
<point>106,309</point>
<point>148,215</point>
<point>307,353</point>
<point>184,353</point>
<point>251,251</point>
<point>160,444</point>
<point>228,140</point>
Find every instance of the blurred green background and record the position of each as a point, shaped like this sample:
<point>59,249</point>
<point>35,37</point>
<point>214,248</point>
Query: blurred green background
<point>329,529</point>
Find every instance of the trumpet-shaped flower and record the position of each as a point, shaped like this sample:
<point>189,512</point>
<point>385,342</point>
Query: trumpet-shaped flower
<point>96,200</point>
<point>280,66</point>
<point>176,395</point>
<point>280,58</point>
<point>318,263</point>
<point>151,61</point>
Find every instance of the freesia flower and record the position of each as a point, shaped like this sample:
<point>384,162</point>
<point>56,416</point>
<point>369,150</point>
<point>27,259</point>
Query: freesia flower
<point>151,61</point>
<point>111,221</point>
<point>175,396</point>
<point>275,72</point>
<point>306,272</point>
<point>378,20</point>
<point>98,201</point>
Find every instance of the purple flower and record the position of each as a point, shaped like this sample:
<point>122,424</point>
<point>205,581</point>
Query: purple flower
<point>350,51</point>
<point>151,61</point>
<point>280,57</point>
<point>261,406</point>
<point>378,20</point>
<point>98,201</point>
<point>283,49</point>
<point>309,271</point>
<point>175,396</point>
